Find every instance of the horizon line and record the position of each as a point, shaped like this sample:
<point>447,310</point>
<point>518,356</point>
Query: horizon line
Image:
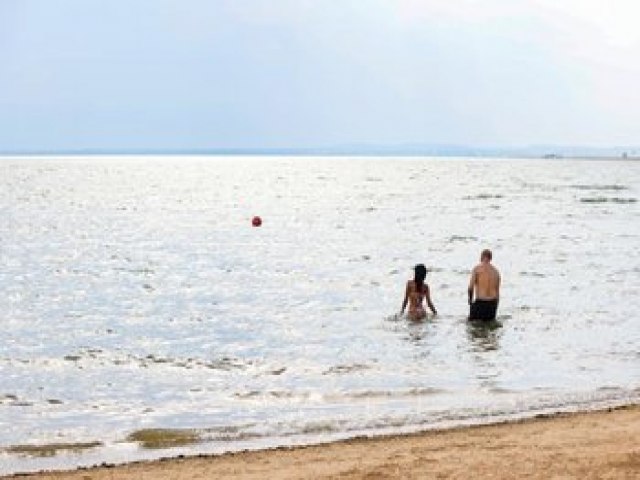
<point>355,149</point>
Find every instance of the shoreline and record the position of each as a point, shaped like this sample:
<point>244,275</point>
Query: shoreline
<point>592,444</point>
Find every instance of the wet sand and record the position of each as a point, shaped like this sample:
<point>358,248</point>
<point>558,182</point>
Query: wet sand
<point>602,445</point>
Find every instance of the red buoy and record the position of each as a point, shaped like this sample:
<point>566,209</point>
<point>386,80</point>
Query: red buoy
<point>256,221</point>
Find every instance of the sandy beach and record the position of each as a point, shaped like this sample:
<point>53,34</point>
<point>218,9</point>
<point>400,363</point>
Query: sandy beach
<point>600,445</point>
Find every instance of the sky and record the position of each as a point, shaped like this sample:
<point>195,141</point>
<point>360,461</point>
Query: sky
<point>248,74</point>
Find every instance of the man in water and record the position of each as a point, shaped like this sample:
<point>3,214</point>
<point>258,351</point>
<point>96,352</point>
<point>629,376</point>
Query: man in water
<point>485,281</point>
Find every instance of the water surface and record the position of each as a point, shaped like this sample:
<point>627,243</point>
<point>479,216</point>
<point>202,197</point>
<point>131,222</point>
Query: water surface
<point>142,311</point>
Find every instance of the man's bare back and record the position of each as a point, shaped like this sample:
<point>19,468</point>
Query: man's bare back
<point>485,286</point>
<point>485,279</point>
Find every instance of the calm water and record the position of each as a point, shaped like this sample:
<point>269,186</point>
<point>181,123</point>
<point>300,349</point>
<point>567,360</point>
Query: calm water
<point>136,295</point>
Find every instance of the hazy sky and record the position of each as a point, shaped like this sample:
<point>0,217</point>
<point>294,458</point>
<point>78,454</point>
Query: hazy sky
<point>192,74</point>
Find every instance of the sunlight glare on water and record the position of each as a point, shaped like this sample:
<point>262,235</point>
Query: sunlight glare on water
<point>137,295</point>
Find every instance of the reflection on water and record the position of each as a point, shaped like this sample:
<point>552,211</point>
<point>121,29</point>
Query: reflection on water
<point>484,335</point>
<point>418,330</point>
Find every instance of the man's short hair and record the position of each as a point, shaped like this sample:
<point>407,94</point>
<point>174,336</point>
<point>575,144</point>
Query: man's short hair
<point>486,253</point>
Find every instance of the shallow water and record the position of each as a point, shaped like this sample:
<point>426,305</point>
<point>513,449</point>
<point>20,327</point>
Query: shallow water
<point>137,296</point>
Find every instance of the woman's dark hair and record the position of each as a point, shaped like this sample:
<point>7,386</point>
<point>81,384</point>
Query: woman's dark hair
<point>420,274</point>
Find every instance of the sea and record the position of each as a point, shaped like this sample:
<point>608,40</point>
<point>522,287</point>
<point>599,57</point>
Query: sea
<point>143,316</point>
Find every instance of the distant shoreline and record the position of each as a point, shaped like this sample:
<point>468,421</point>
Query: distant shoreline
<point>328,153</point>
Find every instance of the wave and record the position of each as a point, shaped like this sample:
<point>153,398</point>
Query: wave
<point>347,426</point>
<point>337,397</point>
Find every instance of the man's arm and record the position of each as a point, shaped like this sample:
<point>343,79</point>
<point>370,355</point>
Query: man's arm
<point>472,283</point>
<point>498,280</point>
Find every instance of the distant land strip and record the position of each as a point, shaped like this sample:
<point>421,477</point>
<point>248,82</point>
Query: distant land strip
<point>537,151</point>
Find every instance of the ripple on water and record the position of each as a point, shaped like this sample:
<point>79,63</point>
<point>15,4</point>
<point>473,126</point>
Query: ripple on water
<point>101,357</point>
<point>12,400</point>
<point>611,187</point>
<point>533,274</point>
<point>346,369</point>
<point>484,196</point>
<point>462,238</point>
<point>600,199</point>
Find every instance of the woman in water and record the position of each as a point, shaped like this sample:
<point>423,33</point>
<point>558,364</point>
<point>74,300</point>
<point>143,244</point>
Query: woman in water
<point>417,291</point>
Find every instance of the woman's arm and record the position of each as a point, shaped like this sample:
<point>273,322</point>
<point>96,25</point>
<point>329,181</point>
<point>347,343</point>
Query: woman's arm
<point>429,302</point>
<point>406,299</point>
